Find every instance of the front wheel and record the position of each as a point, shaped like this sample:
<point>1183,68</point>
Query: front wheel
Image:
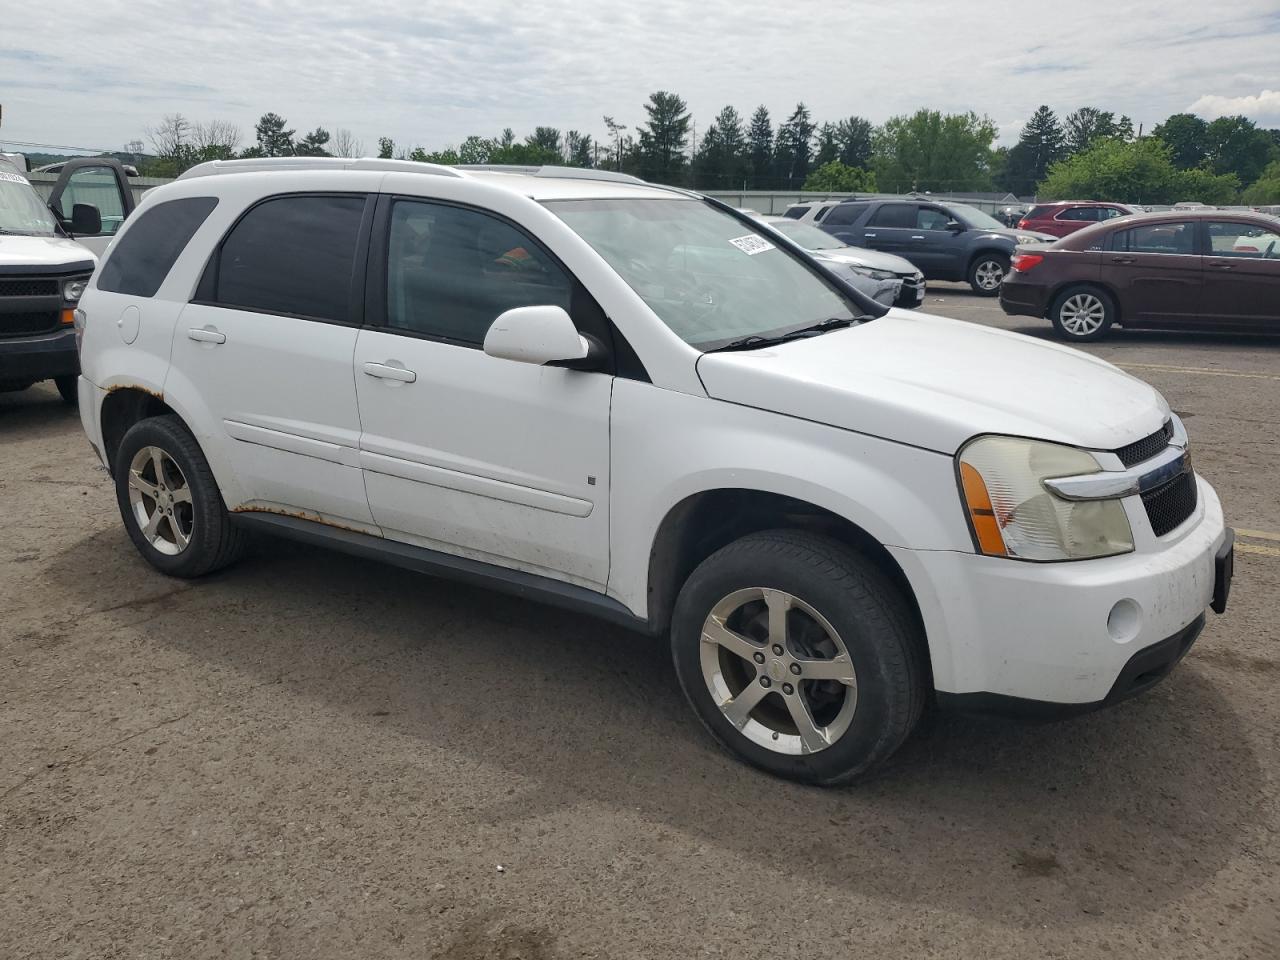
<point>799,656</point>
<point>987,272</point>
<point>1082,314</point>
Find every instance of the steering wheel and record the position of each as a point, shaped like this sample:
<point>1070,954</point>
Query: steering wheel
<point>1266,254</point>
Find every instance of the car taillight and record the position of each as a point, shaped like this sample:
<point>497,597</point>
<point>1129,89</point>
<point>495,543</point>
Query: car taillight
<point>1022,224</point>
<point>1022,262</point>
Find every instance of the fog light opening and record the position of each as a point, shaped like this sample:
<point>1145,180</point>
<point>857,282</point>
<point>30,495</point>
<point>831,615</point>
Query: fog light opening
<point>1125,621</point>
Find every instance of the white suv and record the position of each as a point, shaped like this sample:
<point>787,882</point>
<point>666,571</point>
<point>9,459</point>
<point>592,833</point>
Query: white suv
<point>625,399</point>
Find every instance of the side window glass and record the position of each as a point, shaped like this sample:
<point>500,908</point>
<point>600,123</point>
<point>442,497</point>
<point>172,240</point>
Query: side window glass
<point>842,215</point>
<point>1164,238</point>
<point>1243,240</point>
<point>292,255</point>
<point>98,186</point>
<point>452,271</point>
<point>902,215</point>
<point>1087,214</point>
<point>795,213</point>
<point>143,256</point>
<point>930,218</point>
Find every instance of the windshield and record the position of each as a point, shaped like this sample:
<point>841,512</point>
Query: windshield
<point>811,238</point>
<point>708,276</point>
<point>974,217</point>
<point>20,208</point>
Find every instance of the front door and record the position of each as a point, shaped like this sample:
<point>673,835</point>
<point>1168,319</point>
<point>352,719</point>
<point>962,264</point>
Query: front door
<point>497,460</point>
<point>1156,273</point>
<point>101,183</point>
<point>932,247</point>
<point>1242,274</point>
<point>267,343</point>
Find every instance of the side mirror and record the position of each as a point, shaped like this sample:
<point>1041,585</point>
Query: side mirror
<point>86,221</point>
<point>955,226</point>
<point>537,335</point>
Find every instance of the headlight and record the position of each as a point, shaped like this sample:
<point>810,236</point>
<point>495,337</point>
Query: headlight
<point>873,274</point>
<point>1013,514</point>
<point>73,290</point>
<point>1028,239</point>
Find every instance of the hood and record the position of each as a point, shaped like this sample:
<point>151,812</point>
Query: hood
<point>49,253</point>
<point>1021,236</point>
<point>875,259</point>
<point>935,383</point>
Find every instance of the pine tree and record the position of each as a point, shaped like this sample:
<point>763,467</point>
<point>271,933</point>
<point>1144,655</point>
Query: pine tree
<point>760,148</point>
<point>1040,146</point>
<point>663,140</point>
<point>854,137</point>
<point>828,145</point>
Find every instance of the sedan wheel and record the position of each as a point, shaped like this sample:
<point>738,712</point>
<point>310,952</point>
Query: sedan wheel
<point>1082,314</point>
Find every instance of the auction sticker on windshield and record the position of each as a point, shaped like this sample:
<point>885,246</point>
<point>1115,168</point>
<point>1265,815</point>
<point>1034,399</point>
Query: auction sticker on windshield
<point>752,244</point>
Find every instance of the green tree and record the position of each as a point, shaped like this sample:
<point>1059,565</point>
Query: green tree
<point>1186,135</point>
<point>932,151</point>
<point>793,147</point>
<point>1236,145</point>
<point>386,148</point>
<point>1124,127</point>
<point>854,135</point>
<point>546,138</point>
<point>828,145</point>
<point>1086,126</point>
<point>1138,172</point>
<point>664,138</point>
<point>313,144</point>
<point>836,177</point>
<point>578,149</point>
<point>1041,144</point>
<point>760,148</point>
<point>1265,191</point>
<point>273,139</point>
<point>721,157</point>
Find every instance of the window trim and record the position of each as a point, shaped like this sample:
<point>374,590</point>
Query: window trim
<point>203,296</point>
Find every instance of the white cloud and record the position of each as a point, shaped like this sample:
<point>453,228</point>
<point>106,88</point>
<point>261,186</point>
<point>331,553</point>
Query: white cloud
<point>1263,109</point>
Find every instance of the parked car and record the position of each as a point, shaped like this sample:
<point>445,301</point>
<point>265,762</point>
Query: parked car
<point>556,384</point>
<point>1065,217</point>
<point>1202,269</point>
<point>947,241</point>
<point>891,279</point>
<point>43,272</point>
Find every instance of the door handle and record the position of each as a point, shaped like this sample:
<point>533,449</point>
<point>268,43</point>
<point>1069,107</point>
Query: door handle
<point>1122,259</point>
<point>917,236</point>
<point>385,371</point>
<point>206,335</point>
<point>871,235</point>
<point>1222,266</point>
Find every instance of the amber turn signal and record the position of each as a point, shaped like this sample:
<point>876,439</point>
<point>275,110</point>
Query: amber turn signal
<point>981,514</point>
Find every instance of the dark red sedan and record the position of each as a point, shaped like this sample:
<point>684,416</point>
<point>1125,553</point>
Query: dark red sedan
<point>1203,269</point>
<point>1065,217</point>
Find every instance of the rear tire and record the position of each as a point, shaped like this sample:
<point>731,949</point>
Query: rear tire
<point>68,389</point>
<point>987,272</point>
<point>1082,314</point>
<point>849,683</point>
<point>170,502</point>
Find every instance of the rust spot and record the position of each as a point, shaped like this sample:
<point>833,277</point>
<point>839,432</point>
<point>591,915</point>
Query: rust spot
<point>133,386</point>
<point>301,515</point>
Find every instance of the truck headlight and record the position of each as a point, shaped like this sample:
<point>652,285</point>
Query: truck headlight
<point>73,289</point>
<point>1013,514</point>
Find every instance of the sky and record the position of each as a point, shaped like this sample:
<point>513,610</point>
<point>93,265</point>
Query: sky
<point>430,73</point>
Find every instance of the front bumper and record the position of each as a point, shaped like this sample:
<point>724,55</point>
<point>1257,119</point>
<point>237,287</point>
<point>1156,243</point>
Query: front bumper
<point>39,357</point>
<point>1064,634</point>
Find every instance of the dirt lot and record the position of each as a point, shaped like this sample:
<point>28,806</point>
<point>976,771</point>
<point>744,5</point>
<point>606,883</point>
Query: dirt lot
<point>312,756</point>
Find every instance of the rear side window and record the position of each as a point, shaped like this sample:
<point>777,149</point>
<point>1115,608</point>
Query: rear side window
<point>145,253</point>
<point>290,255</point>
<point>795,213</point>
<point>1039,213</point>
<point>1088,214</point>
<point>1156,238</point>
<point>844,214</point>
<point>901,215</point>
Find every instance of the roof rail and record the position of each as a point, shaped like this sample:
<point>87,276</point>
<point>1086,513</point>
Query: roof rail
<point>563,173</point>
<point>261,164</point>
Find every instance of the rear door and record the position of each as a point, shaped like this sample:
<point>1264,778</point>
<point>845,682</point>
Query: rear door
<point>1241,274</point>
<point>1156,272</point>
<point>267,344</point>
<point>100,182</point>
<point>841,222</point>
<point>889,228</point>
<point>1069,220</point>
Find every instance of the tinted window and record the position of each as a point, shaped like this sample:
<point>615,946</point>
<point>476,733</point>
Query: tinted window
<point>1157,238</point>
<point>795,213</point>
<point>1230,239</point>
<point>844,214</point>
<point>451,271</point>
<point>292,255</point>
<point>930,219</point>
<point>1110,213</point>
<point>895,215</point>
<point>142,257</point>
<point>1089,214</point>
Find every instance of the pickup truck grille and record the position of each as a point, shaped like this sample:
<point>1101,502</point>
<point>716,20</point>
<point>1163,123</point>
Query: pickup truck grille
<point>1147,447</point>
<point>1168,506</point>
<point>21,324</point>
<point>28,287</point>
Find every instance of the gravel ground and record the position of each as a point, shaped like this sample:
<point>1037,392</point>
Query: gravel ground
<point>309,755</point>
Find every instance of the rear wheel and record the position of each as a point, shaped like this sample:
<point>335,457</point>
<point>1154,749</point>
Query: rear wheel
<point>170,501</point>
<point>68,389</point>
<point>986,273</point>
<point>799,656</point>
<point>1082,314</point>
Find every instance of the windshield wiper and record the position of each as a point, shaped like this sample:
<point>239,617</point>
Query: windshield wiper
<point>813,330</point>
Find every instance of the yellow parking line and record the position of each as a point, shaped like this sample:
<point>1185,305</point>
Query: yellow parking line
<point>1254,548</point>
<point>1169,368</point>
<point>1257,534</point>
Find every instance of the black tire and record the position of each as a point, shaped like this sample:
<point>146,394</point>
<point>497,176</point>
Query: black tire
<point>68,389</point>
<point>1067,308</point>
<point>978,271</point>
<point>872,618</point>
<point>213,542</point>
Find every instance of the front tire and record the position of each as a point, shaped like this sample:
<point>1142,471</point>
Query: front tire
<point>799,656</point>
<point>1082,314</point>
<point>987,272</point>
<point>170,502</point>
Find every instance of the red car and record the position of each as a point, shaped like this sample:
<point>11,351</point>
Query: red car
<point>1067,216</point>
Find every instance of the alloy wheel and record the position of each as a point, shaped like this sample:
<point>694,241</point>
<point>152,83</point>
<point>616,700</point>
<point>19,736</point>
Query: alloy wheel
<point>160,499</point>
<point>778,671</point>
<point>1082,314</point>
<point>989,274</point>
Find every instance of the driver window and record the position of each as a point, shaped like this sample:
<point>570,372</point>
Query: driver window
<point>931,218</point>
<point>96,186</point>
<point>1228,239</point>
<point>451,271</point>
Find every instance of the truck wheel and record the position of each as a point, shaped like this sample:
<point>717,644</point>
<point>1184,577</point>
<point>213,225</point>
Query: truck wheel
<point>799,656</point>
<point>1082,314</point>
<point>68,389</point>
<point>986,273</point>
<point>170,501</point>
